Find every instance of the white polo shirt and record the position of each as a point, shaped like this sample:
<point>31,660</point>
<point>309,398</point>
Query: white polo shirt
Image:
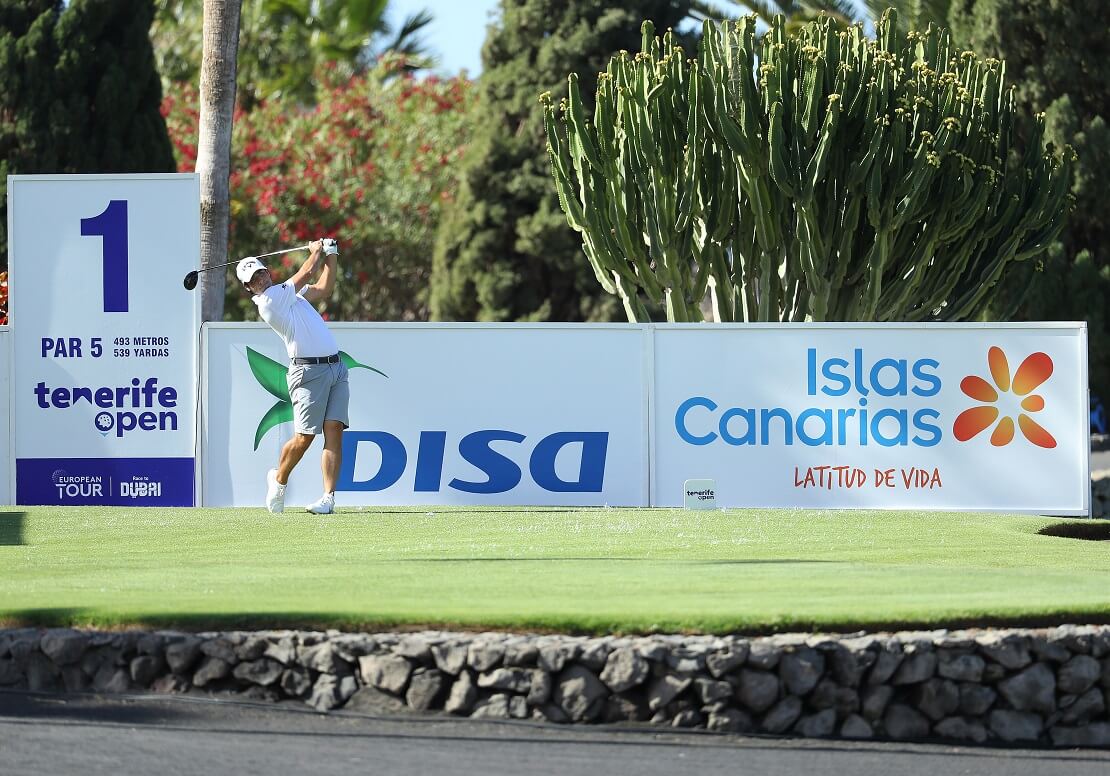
<point>296,321</point>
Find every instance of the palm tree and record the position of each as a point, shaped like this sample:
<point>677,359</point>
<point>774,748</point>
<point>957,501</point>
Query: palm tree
<point>405,40</point>
<point>217,104</point>
<point>283,43</point>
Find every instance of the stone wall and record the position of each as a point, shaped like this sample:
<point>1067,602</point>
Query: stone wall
<point>1043,686</point>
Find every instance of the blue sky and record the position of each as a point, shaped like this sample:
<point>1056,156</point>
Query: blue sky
<point>456,35</point>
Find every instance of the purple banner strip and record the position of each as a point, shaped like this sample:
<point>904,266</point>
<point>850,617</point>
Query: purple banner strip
<point>146,482</point>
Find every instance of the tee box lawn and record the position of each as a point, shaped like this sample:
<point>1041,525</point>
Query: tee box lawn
<point>577,570</point>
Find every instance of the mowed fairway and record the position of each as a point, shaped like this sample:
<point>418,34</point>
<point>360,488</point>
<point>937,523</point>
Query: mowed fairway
<point>629,570</point>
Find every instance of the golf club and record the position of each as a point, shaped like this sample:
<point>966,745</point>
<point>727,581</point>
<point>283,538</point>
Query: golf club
<point>192,278</point>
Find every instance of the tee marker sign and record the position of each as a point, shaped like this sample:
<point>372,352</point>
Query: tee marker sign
<point>700,494</point>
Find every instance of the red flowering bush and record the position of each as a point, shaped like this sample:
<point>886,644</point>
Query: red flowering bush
<point>3,298</point>
<point>371,164</point>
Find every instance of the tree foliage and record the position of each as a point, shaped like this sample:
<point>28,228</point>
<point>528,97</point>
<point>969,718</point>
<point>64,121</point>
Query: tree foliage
<point>79,92</point>
<point>796,12</point>
<point>283,44</point>
<point>504,250</point>
<point>820,176</point>
<point>1057,53</point>
<point>370,164</point>
<point>912,14</point>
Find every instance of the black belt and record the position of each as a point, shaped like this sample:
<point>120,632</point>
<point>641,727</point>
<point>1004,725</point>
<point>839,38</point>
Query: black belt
<point>304,360</point>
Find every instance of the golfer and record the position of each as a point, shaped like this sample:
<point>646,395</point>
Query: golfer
<point>317,378</point>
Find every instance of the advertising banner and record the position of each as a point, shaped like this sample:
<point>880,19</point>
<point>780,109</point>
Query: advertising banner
<point>551,414</point>
<point>939,417</point>
<point>5,429</point>
<point>104,338</point>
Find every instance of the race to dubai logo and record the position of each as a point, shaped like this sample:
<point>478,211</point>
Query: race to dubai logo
<point>1032,372</point>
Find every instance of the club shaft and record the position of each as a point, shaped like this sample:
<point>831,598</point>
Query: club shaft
<point>217,266</point>
<point>261,255</point>
<point>287,250</point>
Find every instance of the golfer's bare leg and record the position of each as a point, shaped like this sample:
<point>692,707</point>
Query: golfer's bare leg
<point>291,454</point>
<point>333,454</point>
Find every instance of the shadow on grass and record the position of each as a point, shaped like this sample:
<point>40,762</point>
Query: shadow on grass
<point>196,622</point>
<point>457,511</point>
<point>51,617</point>
<point>703,562</point>
<point>1098,531</point>
<point>11,528</point>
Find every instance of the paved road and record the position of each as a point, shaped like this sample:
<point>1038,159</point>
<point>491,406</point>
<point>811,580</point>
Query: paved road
<point>59,735</point>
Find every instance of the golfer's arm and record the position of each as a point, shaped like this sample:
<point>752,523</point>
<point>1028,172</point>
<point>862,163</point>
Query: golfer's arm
<point>322,288</point>
<point>300,278</point>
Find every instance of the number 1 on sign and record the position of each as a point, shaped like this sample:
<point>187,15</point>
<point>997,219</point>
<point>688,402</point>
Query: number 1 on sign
<point>112,226</point>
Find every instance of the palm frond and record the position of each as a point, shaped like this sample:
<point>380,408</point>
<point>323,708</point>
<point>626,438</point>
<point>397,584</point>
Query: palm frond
<point>765,10</point>
<point>845,10</point>
<point>701,11</point>
<point>407,40</point>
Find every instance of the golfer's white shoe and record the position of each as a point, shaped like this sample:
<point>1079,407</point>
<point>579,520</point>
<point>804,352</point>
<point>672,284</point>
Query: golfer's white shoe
<point>275,493</point>
<point>325,506</point>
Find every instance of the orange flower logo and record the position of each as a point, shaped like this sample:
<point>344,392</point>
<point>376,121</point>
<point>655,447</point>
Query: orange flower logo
<point>1033,371</point>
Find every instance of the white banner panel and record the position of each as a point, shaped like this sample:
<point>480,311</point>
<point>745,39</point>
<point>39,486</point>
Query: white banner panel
<point>942,417</point>
<point>104,337</point>
<point>455,414</point>
<point>5,409</point>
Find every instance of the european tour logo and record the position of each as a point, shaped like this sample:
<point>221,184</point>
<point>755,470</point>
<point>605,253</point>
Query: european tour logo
<point>1032,372</point>
<point>272,377</point>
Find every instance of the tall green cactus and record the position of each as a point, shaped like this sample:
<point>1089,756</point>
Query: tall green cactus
<point>818,176</point>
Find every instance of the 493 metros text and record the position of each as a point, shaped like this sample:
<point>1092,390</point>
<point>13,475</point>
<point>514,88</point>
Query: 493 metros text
<point>94,347</point>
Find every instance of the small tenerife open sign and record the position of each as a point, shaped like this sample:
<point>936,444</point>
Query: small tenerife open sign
<point>700,494</point>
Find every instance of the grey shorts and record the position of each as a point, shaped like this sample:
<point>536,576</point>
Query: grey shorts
<point>319,392</point>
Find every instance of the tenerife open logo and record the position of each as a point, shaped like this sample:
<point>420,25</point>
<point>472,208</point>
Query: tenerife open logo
<point>140,405</point>
<point>1004,398</point>
<point>272,376</point>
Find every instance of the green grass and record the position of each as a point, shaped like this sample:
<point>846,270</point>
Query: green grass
<point>588,570</point>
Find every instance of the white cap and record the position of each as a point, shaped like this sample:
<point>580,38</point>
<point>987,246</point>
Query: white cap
<point>246,268</point>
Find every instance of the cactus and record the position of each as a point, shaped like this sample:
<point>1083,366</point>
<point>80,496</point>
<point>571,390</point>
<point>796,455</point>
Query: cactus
<point>817,176</point>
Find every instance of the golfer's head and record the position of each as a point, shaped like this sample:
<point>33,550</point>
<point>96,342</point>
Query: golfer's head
<point>253,274</point>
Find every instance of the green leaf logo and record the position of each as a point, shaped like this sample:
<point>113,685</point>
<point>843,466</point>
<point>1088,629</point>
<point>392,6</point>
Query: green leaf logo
<point>271,376</point>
